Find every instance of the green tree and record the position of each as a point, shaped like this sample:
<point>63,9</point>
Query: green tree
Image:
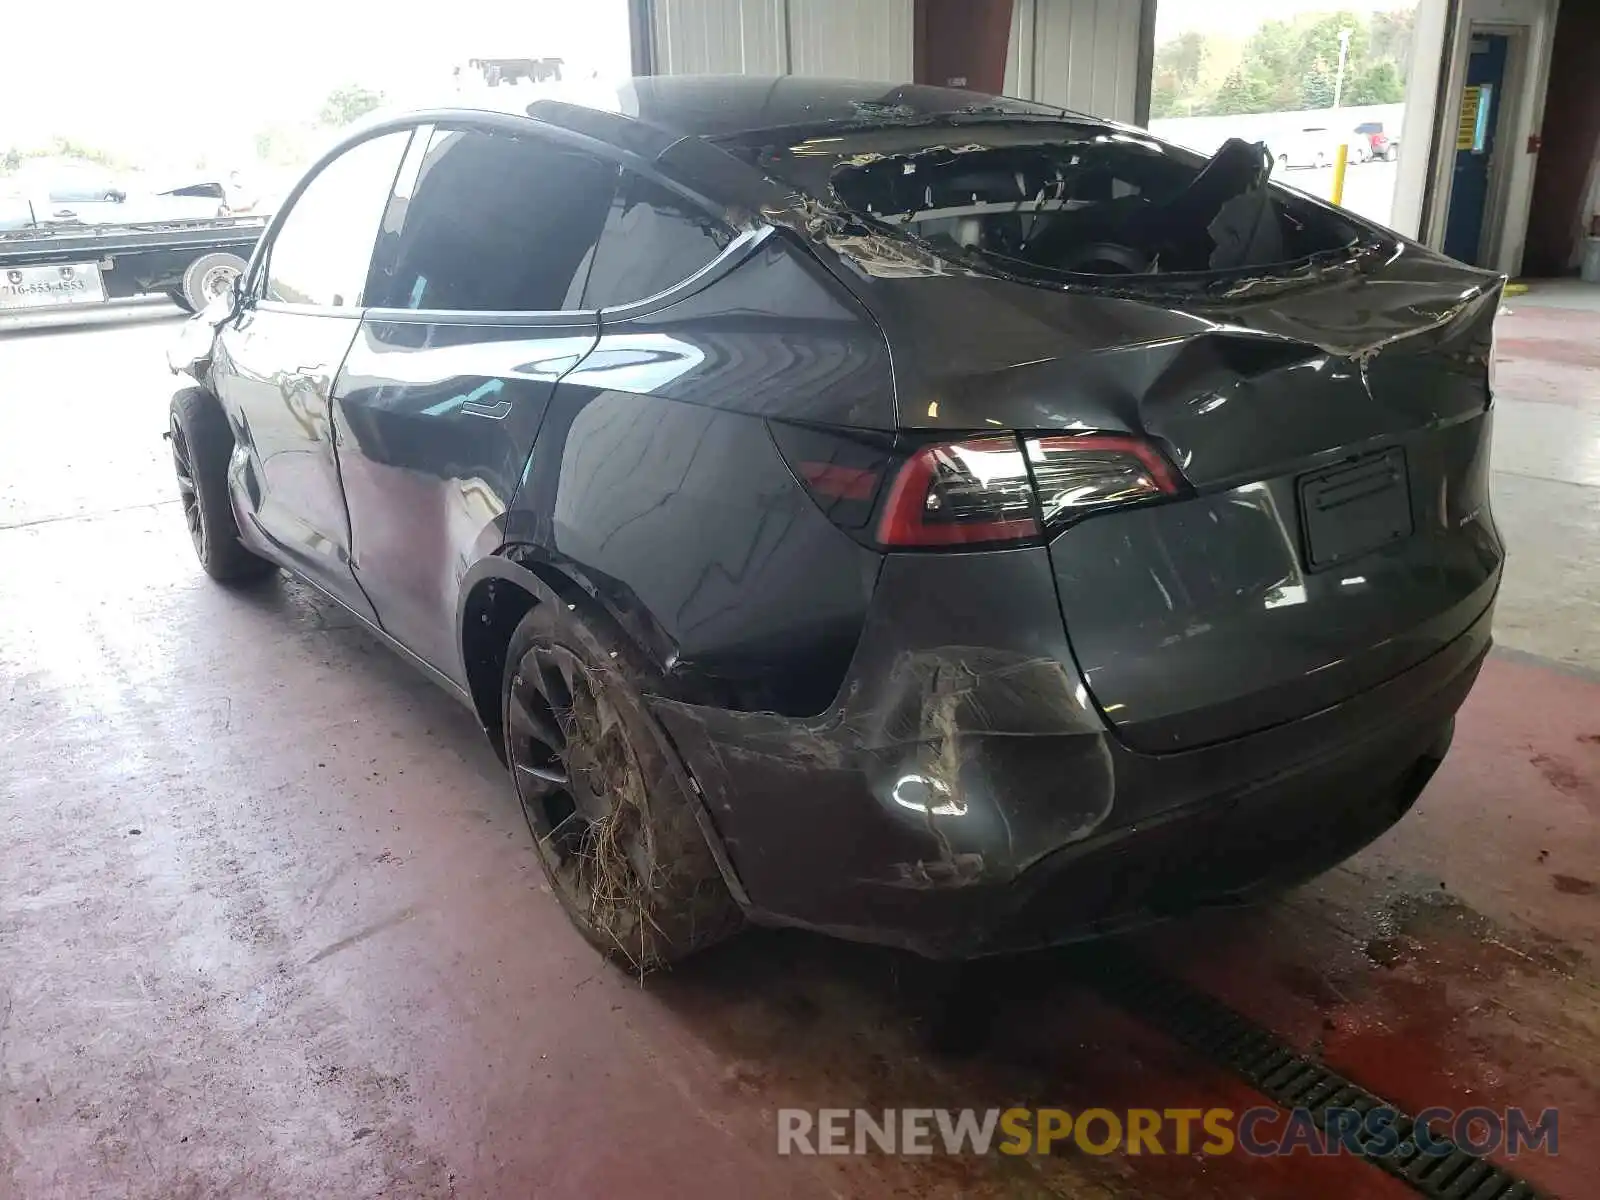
<point>1274,56</point>
<point>1165,99</point>
<point>284,145</point>
<point>1245,90</point>
<point>1286,65</point>
<point>1319,42</point>
<point>1378,83</point>
<point>1177,84</point>
<point>1389,38</point>
<point>66,147</point>
<point>1316,86</point>
<point>348,103</point>
<point>1184,57</point>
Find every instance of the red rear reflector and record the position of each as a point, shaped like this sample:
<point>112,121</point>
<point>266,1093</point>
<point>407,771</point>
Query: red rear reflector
<point>839,482</point>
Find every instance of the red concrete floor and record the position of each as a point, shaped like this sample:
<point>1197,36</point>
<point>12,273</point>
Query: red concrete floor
<point>270,924</point>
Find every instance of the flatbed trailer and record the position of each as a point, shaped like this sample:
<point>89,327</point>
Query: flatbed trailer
<point>190,262</point>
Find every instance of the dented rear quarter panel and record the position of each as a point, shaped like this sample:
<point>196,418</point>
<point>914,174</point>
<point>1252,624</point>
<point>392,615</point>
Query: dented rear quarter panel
<point>655,478</point>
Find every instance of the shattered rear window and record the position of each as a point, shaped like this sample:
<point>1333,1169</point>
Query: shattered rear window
<point>1053,198</point>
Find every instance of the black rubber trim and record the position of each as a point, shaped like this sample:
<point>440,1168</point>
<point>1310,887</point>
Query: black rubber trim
<point>1292,1080</point>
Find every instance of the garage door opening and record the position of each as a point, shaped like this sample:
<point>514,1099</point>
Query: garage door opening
<point>1305,81</point>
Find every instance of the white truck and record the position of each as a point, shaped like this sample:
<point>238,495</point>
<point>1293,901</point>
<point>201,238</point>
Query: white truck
<point>73,233</point>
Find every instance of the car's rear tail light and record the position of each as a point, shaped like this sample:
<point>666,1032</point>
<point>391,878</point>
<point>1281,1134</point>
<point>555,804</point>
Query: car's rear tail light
<point>959,493</point>
<point>986,490</point>
<point>1076,474</point>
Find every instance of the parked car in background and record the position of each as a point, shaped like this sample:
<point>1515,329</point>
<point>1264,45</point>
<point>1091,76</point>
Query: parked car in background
<point>51,192</point>
<point>1379,145</point>
<point>513,70</point>
<point>830,527</point>
<point>177,200</point>
<point>1311,146</point>
<point>61,189</point>
<point>1315,146</point>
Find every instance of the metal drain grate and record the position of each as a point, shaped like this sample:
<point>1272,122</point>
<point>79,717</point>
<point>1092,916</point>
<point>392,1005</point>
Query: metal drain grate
<point>1292,1080</point>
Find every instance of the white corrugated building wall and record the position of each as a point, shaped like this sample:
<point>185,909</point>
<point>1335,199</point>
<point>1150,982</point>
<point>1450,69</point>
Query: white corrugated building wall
<point>1089,55</point>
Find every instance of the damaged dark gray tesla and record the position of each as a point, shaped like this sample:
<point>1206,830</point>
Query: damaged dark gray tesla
<point>924,517</point>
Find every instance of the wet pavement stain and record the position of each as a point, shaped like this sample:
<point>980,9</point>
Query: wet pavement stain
<point>1563,776</point>
<point>1390,951</point>
<point>1419,998</point>
<point>855,1028</point>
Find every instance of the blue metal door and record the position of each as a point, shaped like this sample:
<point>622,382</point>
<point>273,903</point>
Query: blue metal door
<point>1480,108</point>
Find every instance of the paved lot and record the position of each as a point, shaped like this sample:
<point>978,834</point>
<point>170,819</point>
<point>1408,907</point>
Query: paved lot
<point>1368,187</point>
<point>270,924</point>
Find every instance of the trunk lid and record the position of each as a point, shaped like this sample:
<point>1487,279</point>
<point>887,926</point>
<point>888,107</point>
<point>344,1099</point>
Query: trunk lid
<point>1335,430</point>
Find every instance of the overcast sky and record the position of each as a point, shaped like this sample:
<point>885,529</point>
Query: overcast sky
<point>140,74</point>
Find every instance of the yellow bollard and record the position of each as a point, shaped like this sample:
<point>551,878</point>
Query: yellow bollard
<point>1341,159</point>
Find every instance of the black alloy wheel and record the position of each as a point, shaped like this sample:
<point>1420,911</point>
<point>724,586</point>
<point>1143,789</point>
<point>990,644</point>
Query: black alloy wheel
<point>617,834</point>
<point>579,782</point>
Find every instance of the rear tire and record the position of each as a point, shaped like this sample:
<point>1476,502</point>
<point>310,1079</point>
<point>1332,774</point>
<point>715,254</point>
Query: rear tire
<point>201,446</point>
<point>613,827</point>
<point>210,276</point>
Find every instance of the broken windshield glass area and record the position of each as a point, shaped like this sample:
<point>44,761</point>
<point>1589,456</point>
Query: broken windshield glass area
<point>1046,200</point>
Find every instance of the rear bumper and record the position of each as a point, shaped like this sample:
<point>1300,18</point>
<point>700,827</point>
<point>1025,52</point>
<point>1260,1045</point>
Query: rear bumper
<point>965,797</point>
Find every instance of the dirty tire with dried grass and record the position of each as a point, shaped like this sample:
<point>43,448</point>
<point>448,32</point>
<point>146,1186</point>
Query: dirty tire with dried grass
<point>614,830</point>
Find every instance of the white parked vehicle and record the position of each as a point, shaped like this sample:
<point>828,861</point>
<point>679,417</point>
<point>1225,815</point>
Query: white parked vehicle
<point>1315,146</point>
<point>72,192</point>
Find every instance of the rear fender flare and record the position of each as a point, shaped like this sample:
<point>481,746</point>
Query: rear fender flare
<point>485,692</point>
<point>526,567</point>
<point>548,581</point>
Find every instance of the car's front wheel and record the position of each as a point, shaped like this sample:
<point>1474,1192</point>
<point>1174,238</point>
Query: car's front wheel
<point>201,445</point>
<point>615,831</point>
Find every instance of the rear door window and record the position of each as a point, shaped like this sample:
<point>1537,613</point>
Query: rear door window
<point>496,223</point>
<point>654,239</point>
<point>323,248</point>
